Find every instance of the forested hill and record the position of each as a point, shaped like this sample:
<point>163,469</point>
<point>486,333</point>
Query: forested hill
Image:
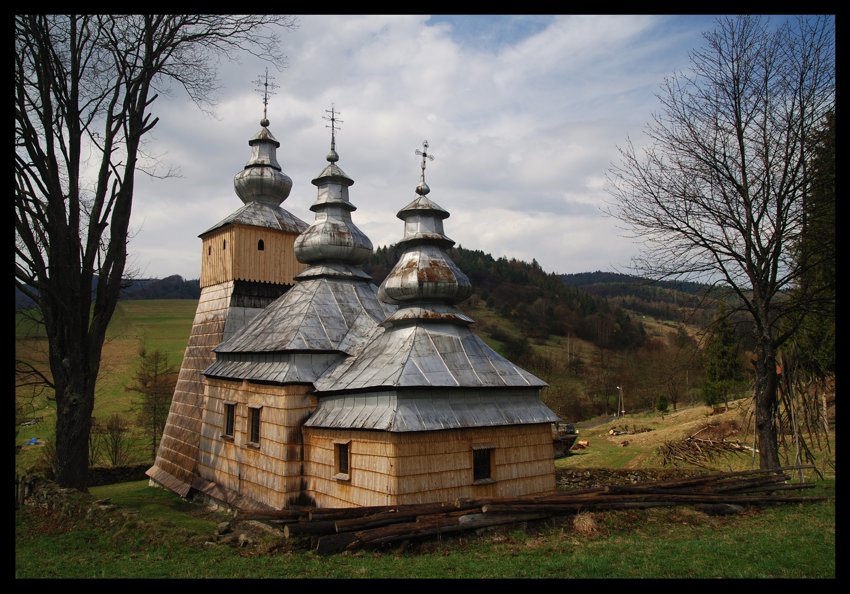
<point>540,303</point>
<point>668,300</point>
<point>170,287</point>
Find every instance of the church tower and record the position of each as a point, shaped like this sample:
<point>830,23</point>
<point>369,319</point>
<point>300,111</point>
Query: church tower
<point>247,261</point>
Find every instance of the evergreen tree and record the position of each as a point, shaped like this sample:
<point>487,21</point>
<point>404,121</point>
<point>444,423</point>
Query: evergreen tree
<point>815,340</point>
<point>723,367</point>
<point>154,381</point>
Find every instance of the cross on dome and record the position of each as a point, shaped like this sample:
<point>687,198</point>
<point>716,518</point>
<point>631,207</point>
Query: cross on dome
<point>267,89</point>
<point>423,188</point>
<point>334,126</point>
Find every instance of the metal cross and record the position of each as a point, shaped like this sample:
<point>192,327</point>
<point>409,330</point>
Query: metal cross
<point>267,89</point>
<point>425,155</point>
<point>334,124</point>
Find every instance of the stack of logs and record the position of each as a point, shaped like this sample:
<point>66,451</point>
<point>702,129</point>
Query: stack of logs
<point>334,530</point>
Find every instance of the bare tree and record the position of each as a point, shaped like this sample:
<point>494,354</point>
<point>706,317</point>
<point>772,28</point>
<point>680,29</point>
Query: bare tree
<point>85,86</point>
<point>718,194</point>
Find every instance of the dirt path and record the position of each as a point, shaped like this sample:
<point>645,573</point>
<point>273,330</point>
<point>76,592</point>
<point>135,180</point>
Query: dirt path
<point>636,462</point>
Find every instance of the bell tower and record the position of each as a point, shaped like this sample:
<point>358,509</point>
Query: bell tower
<point>247,261</point>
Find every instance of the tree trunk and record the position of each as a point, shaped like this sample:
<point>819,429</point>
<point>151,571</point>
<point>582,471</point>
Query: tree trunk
<point>74,405</point>
<point>765,404</point>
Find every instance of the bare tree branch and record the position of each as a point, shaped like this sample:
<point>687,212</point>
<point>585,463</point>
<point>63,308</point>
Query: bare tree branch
<point>719,193</point>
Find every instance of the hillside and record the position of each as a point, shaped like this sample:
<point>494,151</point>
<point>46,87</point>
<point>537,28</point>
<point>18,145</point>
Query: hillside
<point>669,300</point>
<point>538,303</point>
<point>170,287</point>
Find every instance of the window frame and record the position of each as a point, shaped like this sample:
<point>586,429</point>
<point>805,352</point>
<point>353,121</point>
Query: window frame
<point>254,421</point>
<point>342,459</point>
<point>229,430</point>
<point>478,452</point>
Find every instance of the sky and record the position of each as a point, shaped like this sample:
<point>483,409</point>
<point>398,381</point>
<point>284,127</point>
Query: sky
<point>523,115</point>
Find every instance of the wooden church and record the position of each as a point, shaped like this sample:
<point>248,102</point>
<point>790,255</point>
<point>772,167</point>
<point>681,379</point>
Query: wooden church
<point>304,383</point>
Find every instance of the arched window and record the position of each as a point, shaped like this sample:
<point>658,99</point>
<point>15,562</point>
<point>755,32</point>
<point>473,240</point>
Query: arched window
<point>209,250</point>
<point>261,245</point>
<point>224,245</point>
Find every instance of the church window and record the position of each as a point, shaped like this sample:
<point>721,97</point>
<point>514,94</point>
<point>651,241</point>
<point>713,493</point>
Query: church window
<point>342,460</point>
<point>229,419</point>
<point>254,426</point>
<point>482,464</point>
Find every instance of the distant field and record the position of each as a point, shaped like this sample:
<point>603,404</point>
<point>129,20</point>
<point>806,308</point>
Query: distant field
<point>156,324</point>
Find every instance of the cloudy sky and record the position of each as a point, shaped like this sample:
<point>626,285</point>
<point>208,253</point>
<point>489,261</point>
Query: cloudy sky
<point>523,115</point>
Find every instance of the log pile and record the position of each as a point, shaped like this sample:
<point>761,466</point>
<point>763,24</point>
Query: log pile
<point>699,451</point>
<point>334,530</point>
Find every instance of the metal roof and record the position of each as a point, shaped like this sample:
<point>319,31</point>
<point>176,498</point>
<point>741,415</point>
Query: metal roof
<point>317,314</point>
<point>426,354</point>
<point>262,186</point>
<point>261,214</point>
<point>280,368</point>
<point>430,410</point>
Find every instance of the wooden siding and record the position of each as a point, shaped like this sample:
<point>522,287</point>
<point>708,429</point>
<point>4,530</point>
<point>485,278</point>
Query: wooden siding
<point>177,455</point>
<point>428,466</point>
<point>241,260</point>
<point>271,473</point>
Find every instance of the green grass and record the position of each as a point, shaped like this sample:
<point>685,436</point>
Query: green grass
<point>779,541</point>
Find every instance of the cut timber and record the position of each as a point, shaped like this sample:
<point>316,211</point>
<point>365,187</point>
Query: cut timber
<point>425,526</point>
<point>312,527</point>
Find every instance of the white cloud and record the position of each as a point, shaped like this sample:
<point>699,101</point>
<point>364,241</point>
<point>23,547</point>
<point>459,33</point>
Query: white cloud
<point>523,115</point>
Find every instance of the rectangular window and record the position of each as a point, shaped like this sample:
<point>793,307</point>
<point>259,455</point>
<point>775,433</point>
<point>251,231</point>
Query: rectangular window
<point>254,426</point>
<point>482,464</point>
<point>342,459</point>
<point>229,418</point>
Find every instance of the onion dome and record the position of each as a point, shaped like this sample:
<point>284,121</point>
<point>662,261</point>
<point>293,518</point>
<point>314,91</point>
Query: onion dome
<point>424,272</point>
<point>262,179</point>
<point>333,238</point>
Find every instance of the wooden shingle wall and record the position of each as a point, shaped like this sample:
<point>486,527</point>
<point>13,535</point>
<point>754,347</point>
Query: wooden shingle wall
<point>271,472</point>
<point>428,466</point>
<point>232,253</point>
<point>177,455</point>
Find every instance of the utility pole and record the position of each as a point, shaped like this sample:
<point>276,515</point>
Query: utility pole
<point>621,409</point>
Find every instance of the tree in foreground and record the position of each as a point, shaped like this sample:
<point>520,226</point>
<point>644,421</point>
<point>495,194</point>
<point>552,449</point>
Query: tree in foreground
<point>718,194</point>
<point>85,87</point>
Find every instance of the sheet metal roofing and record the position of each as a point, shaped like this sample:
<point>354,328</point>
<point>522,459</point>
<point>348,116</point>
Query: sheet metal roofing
<point>426,355</point>
<point>319,314</point>
<point>430,410</point>
<point>260,214</point>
